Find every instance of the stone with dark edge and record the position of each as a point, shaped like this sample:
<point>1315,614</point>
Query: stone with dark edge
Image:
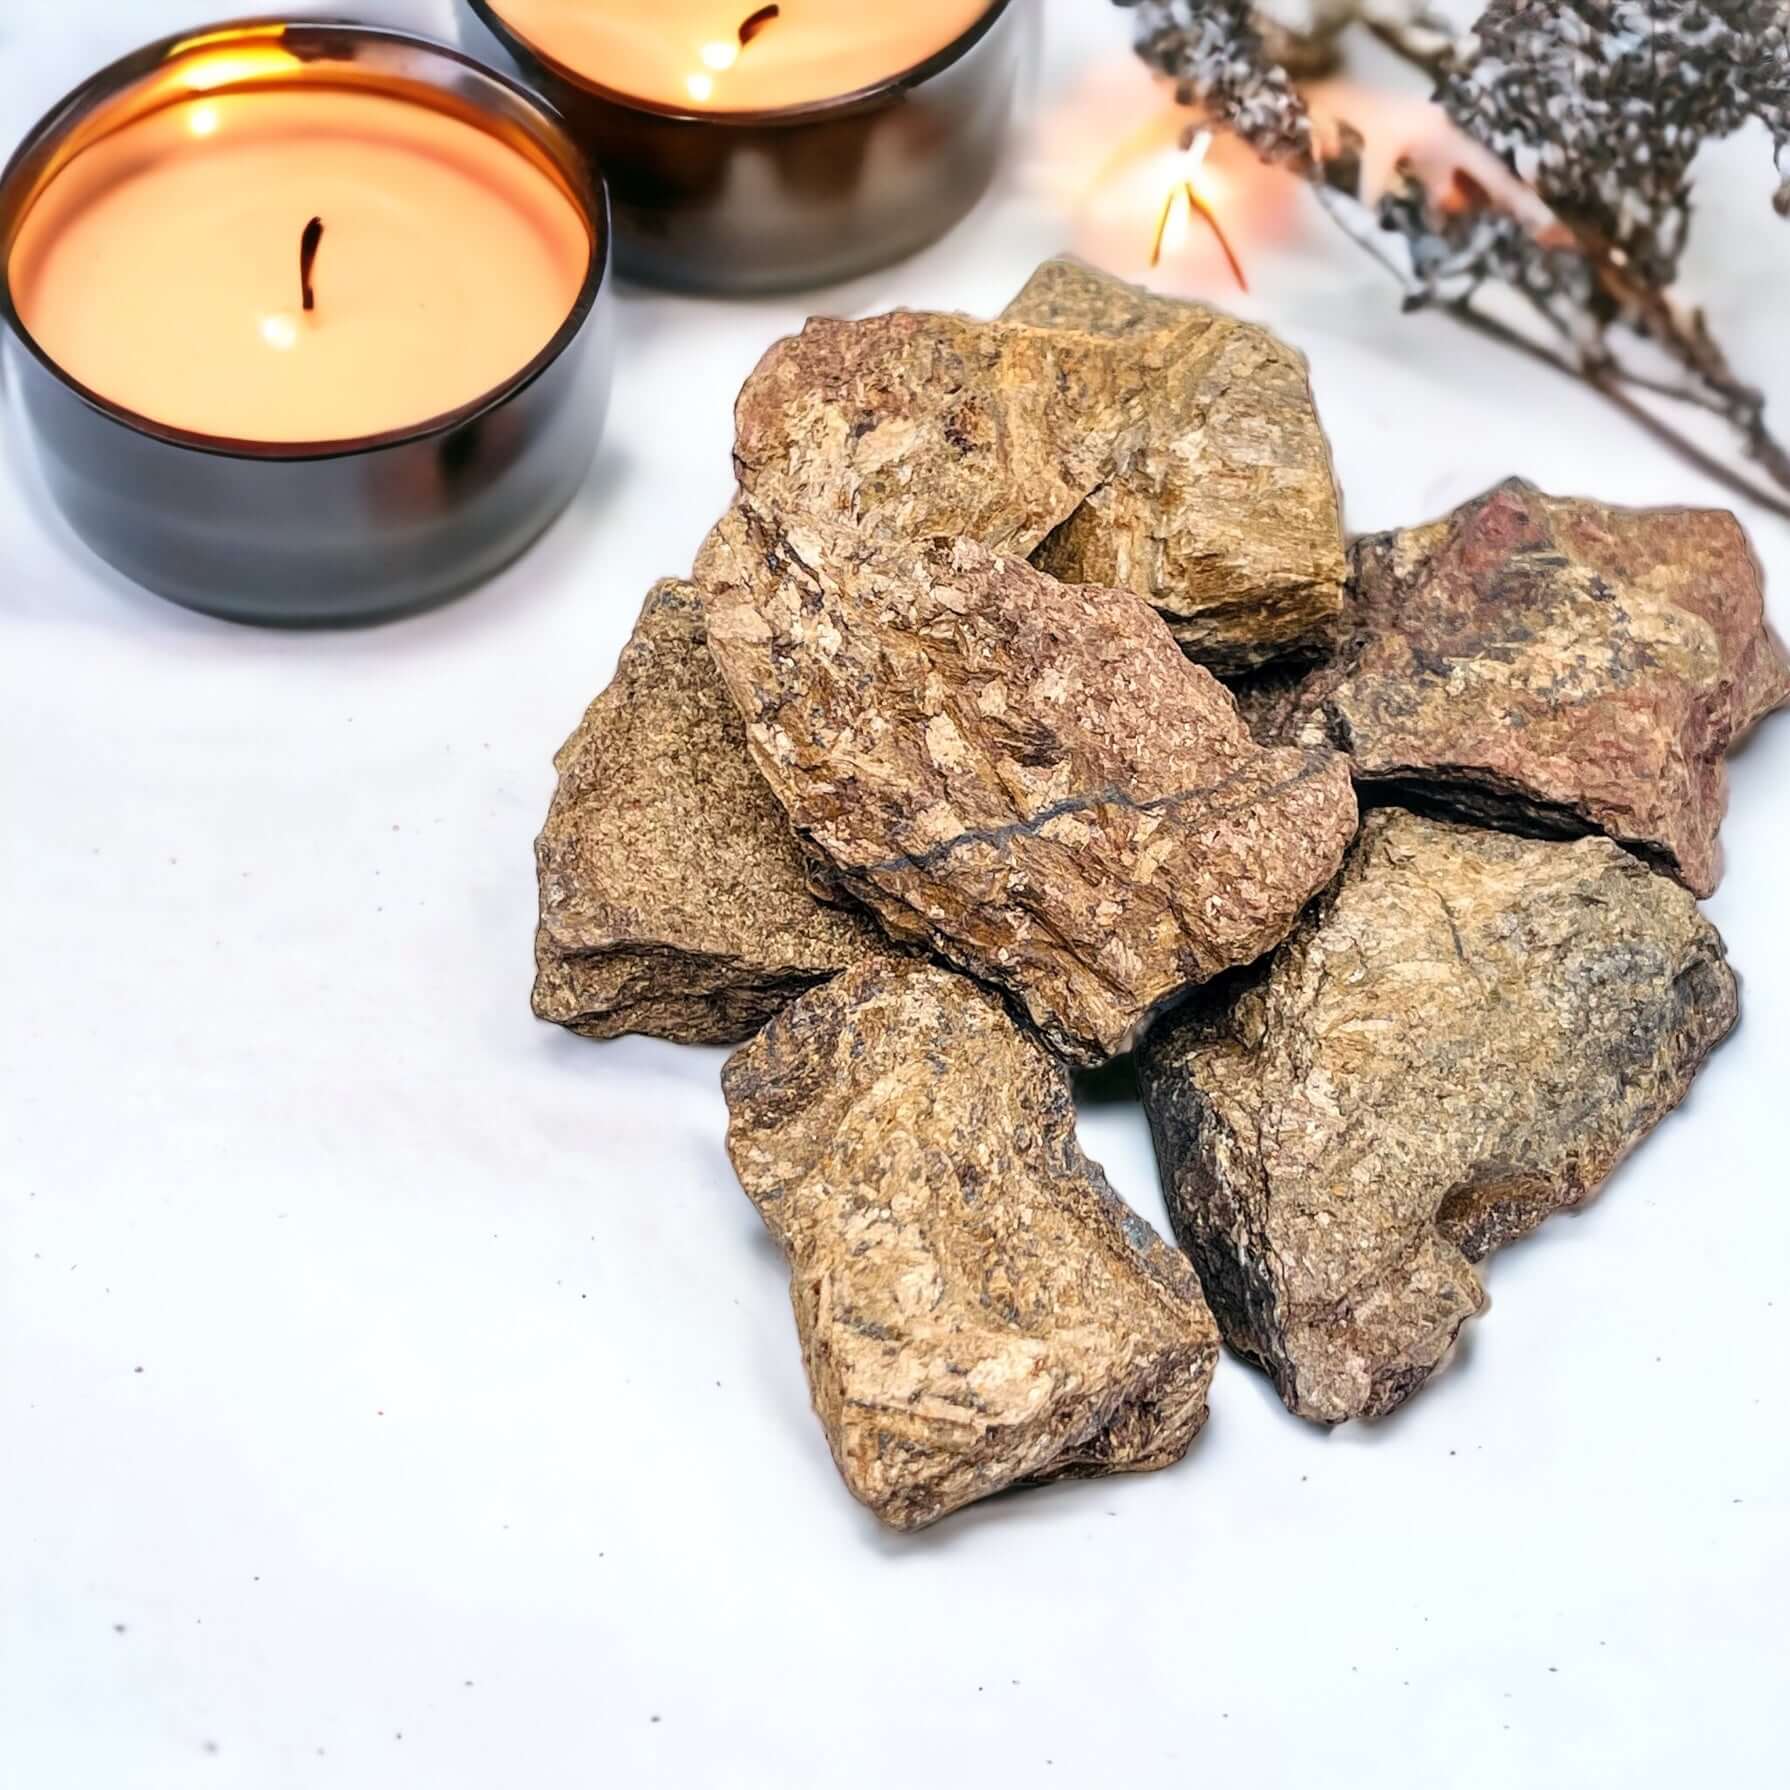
<point>673,899</point>
<point>1548,664</point>
<point>1465,1034</point>
<point>977,1309</point>
<point>1220,506</point>
<point>1027,777</point>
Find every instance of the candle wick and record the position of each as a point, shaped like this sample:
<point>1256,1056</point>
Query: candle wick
<point>307,259</point>
<point>753,23</point>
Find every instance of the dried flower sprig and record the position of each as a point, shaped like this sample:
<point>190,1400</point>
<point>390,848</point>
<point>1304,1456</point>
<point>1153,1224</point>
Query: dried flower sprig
<point>1598,107</point>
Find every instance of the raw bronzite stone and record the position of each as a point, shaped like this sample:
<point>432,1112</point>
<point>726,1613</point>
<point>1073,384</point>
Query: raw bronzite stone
<point>1064,293</point>
<point>1027,776</point>
<point>977,1309</point>
<point>1221,506</point>
<point>917,423</point>
<point>1128,440</point>
<point>1464,1035</point>
<point>1552,664</point>
<point>672,895</point>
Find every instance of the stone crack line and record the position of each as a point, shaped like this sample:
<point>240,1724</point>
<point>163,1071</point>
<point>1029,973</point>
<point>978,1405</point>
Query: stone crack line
<point>1314,759</point>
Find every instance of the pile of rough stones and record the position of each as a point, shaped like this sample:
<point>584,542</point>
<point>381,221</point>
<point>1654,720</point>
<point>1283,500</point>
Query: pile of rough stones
<point>1028,709</point>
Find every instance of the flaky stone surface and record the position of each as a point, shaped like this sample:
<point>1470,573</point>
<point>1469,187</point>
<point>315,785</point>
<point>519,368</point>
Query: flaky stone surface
<point>1464,1035</point>
<point>918,423</point>
<point>1124,439</point>
<point>1221,507</point>
<point>1064,293</point>
<point>1553,664</point>
<point>976,1307</point>
<point>673,898</point>
<point>1027,776</point>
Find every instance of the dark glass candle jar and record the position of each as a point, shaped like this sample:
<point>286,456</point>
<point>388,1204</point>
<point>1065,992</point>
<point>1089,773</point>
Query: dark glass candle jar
<point>767,201</point>
<point>345,527</point>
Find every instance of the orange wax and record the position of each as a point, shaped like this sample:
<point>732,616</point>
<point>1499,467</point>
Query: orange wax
<point>687,53</point>
<point>160,267</point>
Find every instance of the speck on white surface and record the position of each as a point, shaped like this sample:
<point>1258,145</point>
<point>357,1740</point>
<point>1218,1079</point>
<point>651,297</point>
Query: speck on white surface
<point>397,1392</point>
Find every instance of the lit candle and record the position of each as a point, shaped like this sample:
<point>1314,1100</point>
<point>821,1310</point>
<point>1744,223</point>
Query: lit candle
<point>755,147</point>
<point>162,268</point>
<point>317,263</point>
<point>735,55</point>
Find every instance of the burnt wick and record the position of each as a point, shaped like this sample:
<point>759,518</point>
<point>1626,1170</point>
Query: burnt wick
<point>307,259</point>
<point>753,23</point>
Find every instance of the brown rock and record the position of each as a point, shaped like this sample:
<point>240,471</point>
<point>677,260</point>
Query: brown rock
<point>1027,776</point>
<point>976,1307</point>
<point>1221,509</point>
<point>916,423</point>
<point>1464,1035</point>
<point>1129,440</point>
<point>672,895</point>
<point>1556,665</point>
<point>1064,293</point>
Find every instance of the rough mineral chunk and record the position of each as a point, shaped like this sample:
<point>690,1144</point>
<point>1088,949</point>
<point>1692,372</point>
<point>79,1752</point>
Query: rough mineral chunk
<point>1027,776</point>
<point>976,1307</point>
<point>1128,440</point>
<point>1064,293</point>
<point>673,899</point>
<point>1553,664</point>
<point>1221,509</point>
<point>916,423</point>
<point>1464,1035</point>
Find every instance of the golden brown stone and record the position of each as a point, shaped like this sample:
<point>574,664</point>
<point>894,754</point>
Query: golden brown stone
<point>919,423</point>
<point>1221,507</point>
<point>976,1307</point>
<point>1465,1034</point>
<point>1124,439</point>
<point>1027,776</point>
<point>1551,664</point>
<point>672,895</point>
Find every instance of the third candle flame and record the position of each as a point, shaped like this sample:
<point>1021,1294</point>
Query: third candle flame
<point>1185,201</point>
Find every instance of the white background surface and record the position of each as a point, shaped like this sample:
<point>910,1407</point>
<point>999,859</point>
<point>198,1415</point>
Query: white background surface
<point>398,1392</point>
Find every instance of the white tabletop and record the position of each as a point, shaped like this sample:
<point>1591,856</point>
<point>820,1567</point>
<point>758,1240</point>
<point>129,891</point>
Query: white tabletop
<point>399,1392</point>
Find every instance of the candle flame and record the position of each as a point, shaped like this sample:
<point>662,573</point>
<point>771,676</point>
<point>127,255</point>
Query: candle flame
<point>1184,189</point>
<point>1172,219</point>
<point>202,120</point>
<point>719,55</point>
<point>280,330</point>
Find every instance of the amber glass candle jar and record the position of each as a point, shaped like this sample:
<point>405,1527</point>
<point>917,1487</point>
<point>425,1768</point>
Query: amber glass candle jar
<point>305,319</point>
<point>714,192</point>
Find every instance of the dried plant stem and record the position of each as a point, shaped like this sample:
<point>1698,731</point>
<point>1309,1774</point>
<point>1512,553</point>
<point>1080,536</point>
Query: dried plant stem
<point>1358,226</point>
<point>1406,44</point>
<point>1611,122</point>
<point>1607,381</point>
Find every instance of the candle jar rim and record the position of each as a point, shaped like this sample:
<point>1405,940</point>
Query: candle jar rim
<point>532,58</point>
<point>583,181</point>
